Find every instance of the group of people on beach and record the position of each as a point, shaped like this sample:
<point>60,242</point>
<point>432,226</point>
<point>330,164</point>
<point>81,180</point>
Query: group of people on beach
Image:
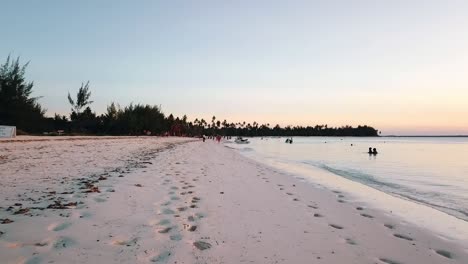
<point>217,138</point>
<point>372,151</point>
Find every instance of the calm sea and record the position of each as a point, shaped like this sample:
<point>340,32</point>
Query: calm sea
<point>432,171</point>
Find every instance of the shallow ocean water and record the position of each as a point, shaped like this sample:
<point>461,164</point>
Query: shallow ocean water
<point>432,171</point>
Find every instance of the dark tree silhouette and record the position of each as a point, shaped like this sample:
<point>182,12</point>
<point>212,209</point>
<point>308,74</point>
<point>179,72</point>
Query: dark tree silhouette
<point>82,100</point>
<point>17,106</point>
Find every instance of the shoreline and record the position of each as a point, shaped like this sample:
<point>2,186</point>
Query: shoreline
<point>408,210</point>
<point>192,202</point>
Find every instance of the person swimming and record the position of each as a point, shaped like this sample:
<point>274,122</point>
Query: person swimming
<point>372,151</point>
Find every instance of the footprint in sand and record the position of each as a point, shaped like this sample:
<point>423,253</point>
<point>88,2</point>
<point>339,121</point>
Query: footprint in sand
<point>122,242</point>
<point>403,237</point>
<point>176,237</point>
<point>389,226</point>
<point>162,258</point>
<point>181,209</point>
<point>336,226</point>
<point>318,215</point>
<point>444,253</point>
<point>63,242</point>
<point>388,261</point>
<point>41,244</point>
<point>367,215</point>
<point>58,226</point>
<point>359,208</point>
<point>312,206</point>
<point>202,245</point>
<point>99,199</point>
<point>165,230</point>
<point>351,241</point>
<point>167,211</point>
<point>164,222</point>
<point>32,260</point>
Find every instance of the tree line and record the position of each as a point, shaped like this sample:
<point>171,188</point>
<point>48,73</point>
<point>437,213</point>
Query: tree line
<point>18,108</point>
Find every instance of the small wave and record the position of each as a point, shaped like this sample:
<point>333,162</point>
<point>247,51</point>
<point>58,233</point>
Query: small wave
<point>425,198</point>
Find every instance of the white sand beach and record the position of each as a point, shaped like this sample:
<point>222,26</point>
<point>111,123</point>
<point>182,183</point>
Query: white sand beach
<point>179,200</point>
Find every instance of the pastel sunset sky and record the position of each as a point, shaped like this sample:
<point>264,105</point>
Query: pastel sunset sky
<point>400,66</point>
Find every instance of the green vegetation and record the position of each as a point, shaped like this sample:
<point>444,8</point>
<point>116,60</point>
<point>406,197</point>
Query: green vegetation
<point>18,108</point>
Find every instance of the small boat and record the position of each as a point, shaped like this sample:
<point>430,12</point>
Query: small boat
<point>240,140</point>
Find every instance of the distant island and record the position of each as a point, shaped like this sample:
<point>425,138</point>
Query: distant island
<point>18,108</point>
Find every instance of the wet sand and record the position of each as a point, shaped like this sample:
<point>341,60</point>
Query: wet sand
<point>175,200</point>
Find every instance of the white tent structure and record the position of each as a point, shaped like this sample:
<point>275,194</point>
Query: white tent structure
<point>7,131</point>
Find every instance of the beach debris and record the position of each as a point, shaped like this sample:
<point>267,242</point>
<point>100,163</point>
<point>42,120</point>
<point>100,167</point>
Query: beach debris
<point>192,228</point>
<point>59,205</point>
<point>138,185</point>
<point>201,245</point>
<point>21,211</point>
<point>90,186</point>
<point>1,233</point>
<point>6,221</point>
